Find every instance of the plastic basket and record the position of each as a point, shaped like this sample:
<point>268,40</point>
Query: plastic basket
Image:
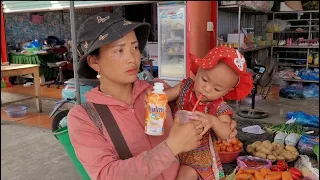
<point>228,157</point>
<point>15,111</point>
<point>63,136</point>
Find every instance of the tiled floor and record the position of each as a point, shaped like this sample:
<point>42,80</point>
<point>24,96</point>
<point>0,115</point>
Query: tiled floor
<point>51,92</point>
<point>32,117</point>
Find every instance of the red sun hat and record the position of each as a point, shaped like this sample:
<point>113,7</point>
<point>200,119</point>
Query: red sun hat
<point>232,58</point>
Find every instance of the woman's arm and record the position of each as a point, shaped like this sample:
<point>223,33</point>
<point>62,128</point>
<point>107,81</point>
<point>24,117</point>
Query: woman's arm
<point>172,92</point>
<point>101,162</point>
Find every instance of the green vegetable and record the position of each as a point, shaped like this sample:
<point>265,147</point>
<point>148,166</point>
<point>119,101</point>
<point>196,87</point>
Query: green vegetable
<point>287,128</point>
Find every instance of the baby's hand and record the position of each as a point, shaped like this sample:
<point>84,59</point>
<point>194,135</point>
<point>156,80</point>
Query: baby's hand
<point>205,119</point>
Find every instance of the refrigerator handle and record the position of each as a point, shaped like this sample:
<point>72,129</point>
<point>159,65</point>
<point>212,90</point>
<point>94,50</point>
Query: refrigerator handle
<point>189,27</point>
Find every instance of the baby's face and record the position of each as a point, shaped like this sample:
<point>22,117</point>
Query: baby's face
<point>215,82</point>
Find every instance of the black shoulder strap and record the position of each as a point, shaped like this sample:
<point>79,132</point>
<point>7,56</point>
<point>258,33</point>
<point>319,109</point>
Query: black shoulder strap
<point>111,125</point>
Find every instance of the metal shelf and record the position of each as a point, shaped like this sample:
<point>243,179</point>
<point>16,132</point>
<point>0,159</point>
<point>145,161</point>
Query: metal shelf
<point>300,80</point>
<point>295,12</point>
<point>297,65</point>
<point>292,59</point>
<point>299,47</point>
<point>302,20</point>
<point>292,51</point>
<point>285,32</point>
<point>254,49</point>
<point>245,9</point>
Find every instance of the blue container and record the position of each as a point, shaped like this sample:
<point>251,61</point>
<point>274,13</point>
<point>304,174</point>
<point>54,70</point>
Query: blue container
<point>69,89</point>
<point>15,111</point>
<point>154,68</point>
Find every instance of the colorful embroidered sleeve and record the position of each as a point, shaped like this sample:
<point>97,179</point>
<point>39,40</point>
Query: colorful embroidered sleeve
<point>224,109</point>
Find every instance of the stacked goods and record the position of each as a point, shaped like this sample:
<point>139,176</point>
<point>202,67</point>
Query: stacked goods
<point>228,146</point>
<point>273,151</point>
<point>267,174</point>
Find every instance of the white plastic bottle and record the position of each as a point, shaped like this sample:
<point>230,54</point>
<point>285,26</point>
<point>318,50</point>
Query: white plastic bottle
<point>156,111</point>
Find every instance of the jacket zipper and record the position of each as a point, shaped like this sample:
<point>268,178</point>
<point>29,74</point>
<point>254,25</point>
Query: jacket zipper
<point>132,110</point>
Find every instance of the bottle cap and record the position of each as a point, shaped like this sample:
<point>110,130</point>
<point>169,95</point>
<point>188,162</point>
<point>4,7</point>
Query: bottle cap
<point>158,86</point>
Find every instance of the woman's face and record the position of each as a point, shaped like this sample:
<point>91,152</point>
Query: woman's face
<point>119,61</point>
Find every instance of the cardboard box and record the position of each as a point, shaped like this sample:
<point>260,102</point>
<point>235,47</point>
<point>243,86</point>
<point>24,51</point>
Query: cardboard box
<point>250,38</point>
<point>233,38</point>
<point>262,43</point>
<point>269,37</point>
<point>269,92</point>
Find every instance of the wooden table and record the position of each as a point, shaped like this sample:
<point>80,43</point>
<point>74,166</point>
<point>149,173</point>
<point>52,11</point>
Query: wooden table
<point>23,69</point>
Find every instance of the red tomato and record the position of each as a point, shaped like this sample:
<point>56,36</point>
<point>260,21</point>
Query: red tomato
<point>223,148</point>
<point>236,147</point>
<point>230,149</point>
<point>218,148</point>
<point>229,145</point>
<point>219,141</point>
<point>234,141</point>
<point>240,144</point>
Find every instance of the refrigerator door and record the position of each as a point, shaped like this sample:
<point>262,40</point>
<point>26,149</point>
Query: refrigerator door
<point>172,42</point>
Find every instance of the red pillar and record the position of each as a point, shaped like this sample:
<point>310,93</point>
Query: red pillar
<point>214,18</point>
<point>107,9</point>
<point>4,56</point>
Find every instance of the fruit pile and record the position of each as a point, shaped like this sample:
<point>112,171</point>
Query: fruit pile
<point>280,171</point>
<point>228,146</point>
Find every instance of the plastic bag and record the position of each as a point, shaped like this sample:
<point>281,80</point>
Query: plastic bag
<point>258,5</point>
<point>307,143</point>
<point>304,119</point>
<point>294,91</point>
<point>292,139</point>
<point>232,176</point>
<point>309,74</point>
<point>280,137</point>
<point>255,129</point>
<point>311,91</point>
<point>308,171</point>
<point>248,100</point>
<point>63,122</point>
<point>264,163</point>
<point>277,25</point>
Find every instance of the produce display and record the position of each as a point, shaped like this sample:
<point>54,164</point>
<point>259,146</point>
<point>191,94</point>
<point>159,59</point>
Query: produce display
<point>288,128</point>
<point>293,154</point>
<point>273,151</point>
<point>268,174</point>
<point>250,162</point>
<point>228,146</point>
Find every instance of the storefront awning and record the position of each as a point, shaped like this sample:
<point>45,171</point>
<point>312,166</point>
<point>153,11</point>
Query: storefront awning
<point>36,6</point>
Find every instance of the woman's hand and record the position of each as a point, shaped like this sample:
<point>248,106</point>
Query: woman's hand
<point>184,137</point>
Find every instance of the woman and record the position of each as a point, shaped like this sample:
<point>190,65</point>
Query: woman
<point>111,47</point>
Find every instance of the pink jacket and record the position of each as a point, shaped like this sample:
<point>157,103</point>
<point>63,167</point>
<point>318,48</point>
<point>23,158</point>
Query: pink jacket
<point>152,157</point>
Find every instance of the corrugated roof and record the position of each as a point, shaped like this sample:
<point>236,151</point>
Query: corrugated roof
<point>37,6</point>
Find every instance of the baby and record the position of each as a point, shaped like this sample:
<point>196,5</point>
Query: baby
<point>220,75</point>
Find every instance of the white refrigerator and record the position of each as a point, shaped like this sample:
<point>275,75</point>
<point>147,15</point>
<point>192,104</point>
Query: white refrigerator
<point>172,42</point>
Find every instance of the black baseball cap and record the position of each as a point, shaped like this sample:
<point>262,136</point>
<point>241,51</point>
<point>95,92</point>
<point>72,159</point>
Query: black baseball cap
<point>102,29</point>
